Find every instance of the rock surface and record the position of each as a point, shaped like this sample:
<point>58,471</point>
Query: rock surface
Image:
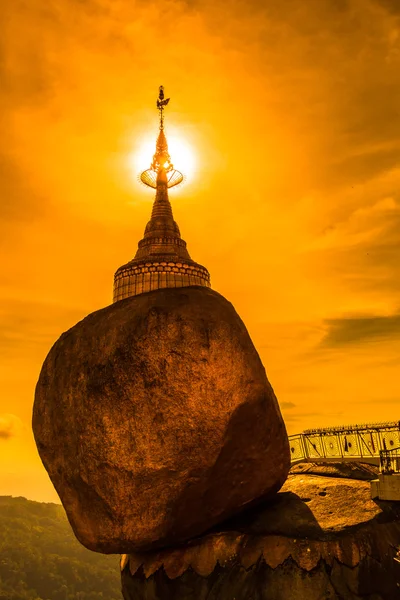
<point>320,538</point>
<point>348,470</point>
<point>155,420</point>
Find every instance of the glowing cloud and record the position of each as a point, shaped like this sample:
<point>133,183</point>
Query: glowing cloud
<point>10,426</point>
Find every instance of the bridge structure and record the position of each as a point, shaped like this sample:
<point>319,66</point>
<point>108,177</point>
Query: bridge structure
<point>351,443</point>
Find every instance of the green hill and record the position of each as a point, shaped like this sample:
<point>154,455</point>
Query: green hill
<point>40,558</point>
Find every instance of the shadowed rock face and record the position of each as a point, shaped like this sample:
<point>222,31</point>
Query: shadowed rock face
<point>155,421</point>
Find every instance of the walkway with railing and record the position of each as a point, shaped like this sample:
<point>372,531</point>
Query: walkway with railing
<point>361,443</point>
<point>390,461</point>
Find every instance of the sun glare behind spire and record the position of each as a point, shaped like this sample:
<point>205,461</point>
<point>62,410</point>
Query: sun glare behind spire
<point>182,155</point>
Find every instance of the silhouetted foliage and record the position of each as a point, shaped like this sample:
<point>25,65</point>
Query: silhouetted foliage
<point>40,558</point>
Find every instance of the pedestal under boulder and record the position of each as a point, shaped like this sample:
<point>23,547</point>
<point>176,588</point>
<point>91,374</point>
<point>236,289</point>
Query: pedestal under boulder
<point>155,420</point>
<point>321,538</point>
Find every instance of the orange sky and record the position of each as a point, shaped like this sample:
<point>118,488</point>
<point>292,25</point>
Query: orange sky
<point>293,113</point>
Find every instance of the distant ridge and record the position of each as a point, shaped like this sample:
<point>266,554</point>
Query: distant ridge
<point>40,558</point>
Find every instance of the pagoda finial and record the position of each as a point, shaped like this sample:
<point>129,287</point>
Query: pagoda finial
<point>161,104</point>
<point>161,169</point>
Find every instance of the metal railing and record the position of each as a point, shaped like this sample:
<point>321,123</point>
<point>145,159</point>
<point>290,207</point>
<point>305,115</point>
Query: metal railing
<point>389,461</point>
<point>348,442</point>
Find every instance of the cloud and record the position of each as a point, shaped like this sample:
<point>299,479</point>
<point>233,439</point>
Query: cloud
<point>379,401</point>
<point>287,405</point>
<point>10,426</point>
<point>18,200</point>
<point>391,6</point>
<point>31,327</point>
<point>359,248</point>
<point>364,165</point>
<point>355,330</point>
<point>312,416</point>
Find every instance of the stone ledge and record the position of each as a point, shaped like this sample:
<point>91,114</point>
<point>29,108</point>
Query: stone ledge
<point>313,519</point>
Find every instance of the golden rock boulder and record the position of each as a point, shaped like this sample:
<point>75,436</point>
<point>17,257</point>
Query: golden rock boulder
<point>155,421</point>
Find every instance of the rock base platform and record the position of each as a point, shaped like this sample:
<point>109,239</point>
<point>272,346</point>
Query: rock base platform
<point>321,538</point>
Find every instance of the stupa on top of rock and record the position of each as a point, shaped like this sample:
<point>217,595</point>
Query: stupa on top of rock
<point>162,259</point>
<point>153,416</point>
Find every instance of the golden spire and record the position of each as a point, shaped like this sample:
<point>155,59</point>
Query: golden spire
<point>161,169</point>
<point>161,158</point>
<point>162,259</point>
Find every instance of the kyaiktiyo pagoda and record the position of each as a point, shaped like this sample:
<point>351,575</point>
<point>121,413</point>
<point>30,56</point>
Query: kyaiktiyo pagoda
<point>154,416</point>
<point>162,435</point>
